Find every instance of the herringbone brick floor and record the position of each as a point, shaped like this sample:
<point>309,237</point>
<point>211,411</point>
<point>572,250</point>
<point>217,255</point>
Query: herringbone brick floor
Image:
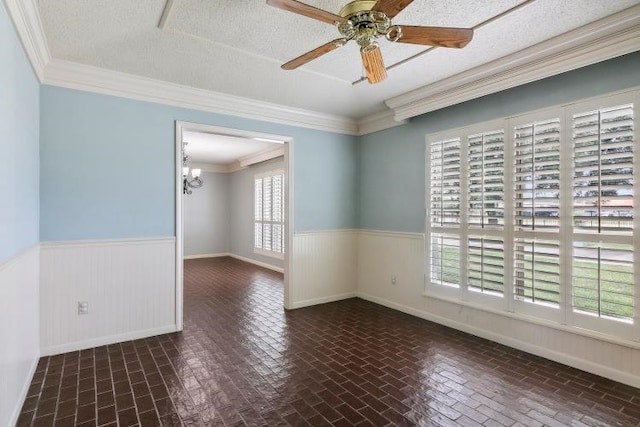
<point>243,360</point>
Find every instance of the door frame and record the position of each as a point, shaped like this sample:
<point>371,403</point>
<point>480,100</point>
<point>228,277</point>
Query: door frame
<point>180,127</point>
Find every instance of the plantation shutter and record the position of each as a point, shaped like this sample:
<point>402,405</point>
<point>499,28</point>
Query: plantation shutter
<point>603,280</point>
<point>278,213</point>
<point>537,176</point>
<point>485,270</point>
<point>537,271</point>
<point>603,170</point>
<point>444,207</point>
<point>269,213</point>
<point>445,259</point>
<point>536,203</point>
<point>486,179</point>
<point>603,204</point>
<point>267,206</point>
<point>258,196</point>
<point>538,218</point>
<point>445,182</point>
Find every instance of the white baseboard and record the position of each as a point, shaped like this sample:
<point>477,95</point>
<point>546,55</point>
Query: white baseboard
<point>238,257</point>
<point>218,255</point>
<point>585,365</point>
<point>100,341</point>
<point>258,263</point>
<point>323,300</point>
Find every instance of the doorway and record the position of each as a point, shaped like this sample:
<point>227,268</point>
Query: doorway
<point>282,144</point>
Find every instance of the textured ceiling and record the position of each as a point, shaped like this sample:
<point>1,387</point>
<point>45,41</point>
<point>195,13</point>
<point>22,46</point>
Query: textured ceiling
<point>221,149</point>
<point>237,46</point>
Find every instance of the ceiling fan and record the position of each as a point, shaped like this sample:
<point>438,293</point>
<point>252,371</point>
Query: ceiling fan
<point>366,20</point>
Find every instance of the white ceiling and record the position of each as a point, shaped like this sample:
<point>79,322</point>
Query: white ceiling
<point>236,47</point>
<point>221,150</point>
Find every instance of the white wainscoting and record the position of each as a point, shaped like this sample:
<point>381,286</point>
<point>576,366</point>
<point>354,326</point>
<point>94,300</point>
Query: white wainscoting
<point>382,254</point>
<point>129,285</point>
<point>324,267</point>
<point>19,331</point>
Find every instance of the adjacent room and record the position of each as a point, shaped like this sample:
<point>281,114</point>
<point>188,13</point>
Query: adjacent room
<point>233,196</point>
<point>319,212</point>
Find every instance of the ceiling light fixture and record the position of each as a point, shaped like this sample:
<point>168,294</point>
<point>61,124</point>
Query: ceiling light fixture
<point>373,63</point>
<point>365,26</point>
<point>195,181</point>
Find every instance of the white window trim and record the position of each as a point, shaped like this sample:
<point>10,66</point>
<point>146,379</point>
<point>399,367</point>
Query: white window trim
<point>563,318</point>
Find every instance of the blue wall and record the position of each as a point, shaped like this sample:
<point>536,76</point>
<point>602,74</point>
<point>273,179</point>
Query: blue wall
<point>107,167</point>
<point>107,162</point>
<point>19,127</point>
<point>391,181</point>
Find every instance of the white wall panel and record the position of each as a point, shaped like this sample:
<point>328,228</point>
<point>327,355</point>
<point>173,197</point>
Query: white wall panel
<point>19,331</point>
<point>323,267</point>
<point>129,285</point>
<point>382,254</point>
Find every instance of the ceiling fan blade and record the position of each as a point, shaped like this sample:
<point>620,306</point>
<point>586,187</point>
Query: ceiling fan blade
<point>391,7</point>
<point>306,10</point>
<point>373,63</point>
<point>313,54</point>
<point>436,36</point>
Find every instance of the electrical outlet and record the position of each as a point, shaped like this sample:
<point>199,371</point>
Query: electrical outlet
<point>83,307</point>
<point>393,279</point>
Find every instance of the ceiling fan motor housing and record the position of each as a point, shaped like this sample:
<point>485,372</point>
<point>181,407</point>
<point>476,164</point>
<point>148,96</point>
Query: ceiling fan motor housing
<point>365,25</point>
<point>357,6</point>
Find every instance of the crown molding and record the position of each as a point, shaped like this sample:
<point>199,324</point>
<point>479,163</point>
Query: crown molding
<point>26,19</point>
<point>261,156</point>
<point>378,121</point>
<point>242,163</point>
<point>107,82</point>
<point>212,168</point>
<point>613,36</point>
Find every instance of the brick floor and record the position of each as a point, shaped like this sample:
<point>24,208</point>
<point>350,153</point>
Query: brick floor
<point>243,360</point>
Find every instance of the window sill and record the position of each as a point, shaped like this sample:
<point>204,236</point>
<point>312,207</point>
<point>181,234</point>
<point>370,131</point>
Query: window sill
<point>629,343</point>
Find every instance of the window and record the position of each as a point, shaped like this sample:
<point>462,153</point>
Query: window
<point>535,215</point>
<point>603,213</point>
<point>269,214</point>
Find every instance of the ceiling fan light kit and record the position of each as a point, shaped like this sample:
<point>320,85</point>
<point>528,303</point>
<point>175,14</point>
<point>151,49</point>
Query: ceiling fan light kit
<point>365,21</point>
<point>373,63</point>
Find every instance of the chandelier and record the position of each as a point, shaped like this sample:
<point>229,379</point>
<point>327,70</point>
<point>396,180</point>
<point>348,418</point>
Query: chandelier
<point>190,177</point>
